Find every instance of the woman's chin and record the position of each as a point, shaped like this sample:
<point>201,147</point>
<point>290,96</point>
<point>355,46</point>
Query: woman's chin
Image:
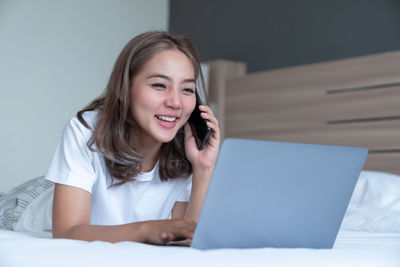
<point>165,136</point>
<point>166,139</point>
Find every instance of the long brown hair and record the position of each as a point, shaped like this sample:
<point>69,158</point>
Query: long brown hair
<point>112,136</point>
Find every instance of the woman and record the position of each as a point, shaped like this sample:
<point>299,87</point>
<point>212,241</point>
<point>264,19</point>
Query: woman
<point>122,170</point>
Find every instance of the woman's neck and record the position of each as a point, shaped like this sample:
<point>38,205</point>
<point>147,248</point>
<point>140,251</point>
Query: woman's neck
<point>148,147</point>
<point>150,154</point>
<point>148,162</point>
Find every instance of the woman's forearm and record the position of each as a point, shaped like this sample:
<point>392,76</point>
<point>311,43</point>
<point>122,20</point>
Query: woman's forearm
<point>112,233</point>
<point>200,182</point>
<point>157,232</point>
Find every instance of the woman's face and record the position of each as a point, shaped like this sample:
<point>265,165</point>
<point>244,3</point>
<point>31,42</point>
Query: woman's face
<point>162,97</point>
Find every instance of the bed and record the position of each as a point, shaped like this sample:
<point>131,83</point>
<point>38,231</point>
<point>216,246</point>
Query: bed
<point>369,236</point>
<point>346,102</point>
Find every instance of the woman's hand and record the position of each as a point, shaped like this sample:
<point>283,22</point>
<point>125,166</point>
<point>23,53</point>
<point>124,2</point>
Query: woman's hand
<point>160,232</point>
<point>203,160</point>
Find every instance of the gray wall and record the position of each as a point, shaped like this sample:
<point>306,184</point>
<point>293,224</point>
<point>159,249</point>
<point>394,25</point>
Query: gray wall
<point>270,34</point>
<point>55,56</point>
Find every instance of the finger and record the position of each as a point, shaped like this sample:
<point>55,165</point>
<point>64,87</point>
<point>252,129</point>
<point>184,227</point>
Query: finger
<point>212,125</point>
<point>181,236</point>
<point>183,243</point>
<point>189,230</point>
<point>182,231</point>
<point>205,108</point>
<point>185,234</point>
<point>164,237</point>
<point>186,242</point>
<point>208,115</point>
<point>215,132</point>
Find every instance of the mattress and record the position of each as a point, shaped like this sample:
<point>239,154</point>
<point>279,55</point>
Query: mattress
<point>352,248</point>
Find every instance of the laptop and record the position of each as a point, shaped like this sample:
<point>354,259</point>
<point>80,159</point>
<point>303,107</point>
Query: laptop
<point>277,194</point>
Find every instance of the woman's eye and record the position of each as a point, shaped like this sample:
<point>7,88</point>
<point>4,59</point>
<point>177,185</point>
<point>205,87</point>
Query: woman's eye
<point>158,85</point>
<point>189,90</point>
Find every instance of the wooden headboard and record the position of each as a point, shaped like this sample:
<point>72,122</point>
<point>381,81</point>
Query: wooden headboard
<point>354,102</point>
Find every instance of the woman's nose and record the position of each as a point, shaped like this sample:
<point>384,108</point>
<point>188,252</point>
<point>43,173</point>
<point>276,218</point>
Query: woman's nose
<point>174,100</point>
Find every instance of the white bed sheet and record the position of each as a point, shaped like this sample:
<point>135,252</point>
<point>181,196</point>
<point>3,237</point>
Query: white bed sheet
<point>351,249</point>
<point>369,236</point>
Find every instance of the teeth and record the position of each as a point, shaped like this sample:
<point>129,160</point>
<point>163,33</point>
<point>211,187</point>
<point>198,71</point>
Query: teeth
<point>165,118</point>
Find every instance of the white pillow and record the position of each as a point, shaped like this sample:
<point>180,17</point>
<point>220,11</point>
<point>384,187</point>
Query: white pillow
<point>27,207</point>
<point>377,189</point>
<point>375,204</point>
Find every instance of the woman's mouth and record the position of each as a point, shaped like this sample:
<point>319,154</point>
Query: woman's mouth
<point>166,118</point>
<point>166,121</point>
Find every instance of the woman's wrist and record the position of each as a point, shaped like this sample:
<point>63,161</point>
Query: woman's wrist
<point>201,179</point>
<point>139,232</point>
<point>203,172</point>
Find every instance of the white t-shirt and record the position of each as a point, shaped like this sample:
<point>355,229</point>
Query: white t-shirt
<point>146,198</point>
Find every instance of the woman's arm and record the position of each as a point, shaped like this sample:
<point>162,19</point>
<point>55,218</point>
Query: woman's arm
<point>193,208</point>
<point>71,219</point>
<point>201,180</point>
<point>203,162</point>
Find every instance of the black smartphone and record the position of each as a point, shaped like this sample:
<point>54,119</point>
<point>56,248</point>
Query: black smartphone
<point>200,130</point>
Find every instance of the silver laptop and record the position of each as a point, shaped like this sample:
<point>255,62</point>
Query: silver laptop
<point>276,194</point>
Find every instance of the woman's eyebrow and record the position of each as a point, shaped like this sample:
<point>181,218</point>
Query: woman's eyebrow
<point>169,79</point>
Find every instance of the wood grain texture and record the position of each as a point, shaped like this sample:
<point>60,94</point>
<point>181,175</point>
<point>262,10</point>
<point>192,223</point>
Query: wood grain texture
<point>353,102</point>
<point>219,72</point>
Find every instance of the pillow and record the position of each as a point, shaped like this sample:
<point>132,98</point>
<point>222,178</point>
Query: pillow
<point>378,189</point>
<point>375,204</point>
<point>26,208</point>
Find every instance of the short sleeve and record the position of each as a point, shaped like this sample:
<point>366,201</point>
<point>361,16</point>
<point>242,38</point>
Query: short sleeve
<point>72,160</point>
<point>184,195</point>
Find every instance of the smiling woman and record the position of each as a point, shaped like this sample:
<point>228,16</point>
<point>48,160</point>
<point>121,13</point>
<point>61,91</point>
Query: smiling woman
<point>162,97</point>
<point>152,73</point>
<point>127,167</point>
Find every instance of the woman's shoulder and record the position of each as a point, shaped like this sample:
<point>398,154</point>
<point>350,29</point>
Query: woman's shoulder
<point>88,117</point>
<point>81,129</point>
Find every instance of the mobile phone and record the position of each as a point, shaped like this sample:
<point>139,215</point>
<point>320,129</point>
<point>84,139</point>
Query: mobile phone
<point>200,130</point>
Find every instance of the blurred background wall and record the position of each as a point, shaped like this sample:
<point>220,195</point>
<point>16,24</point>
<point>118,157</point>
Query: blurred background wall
<point>269,34</point>
<point>55,56</point>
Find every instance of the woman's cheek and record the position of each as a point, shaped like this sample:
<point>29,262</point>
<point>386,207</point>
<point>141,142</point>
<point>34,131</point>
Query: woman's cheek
<point>185,119</point>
